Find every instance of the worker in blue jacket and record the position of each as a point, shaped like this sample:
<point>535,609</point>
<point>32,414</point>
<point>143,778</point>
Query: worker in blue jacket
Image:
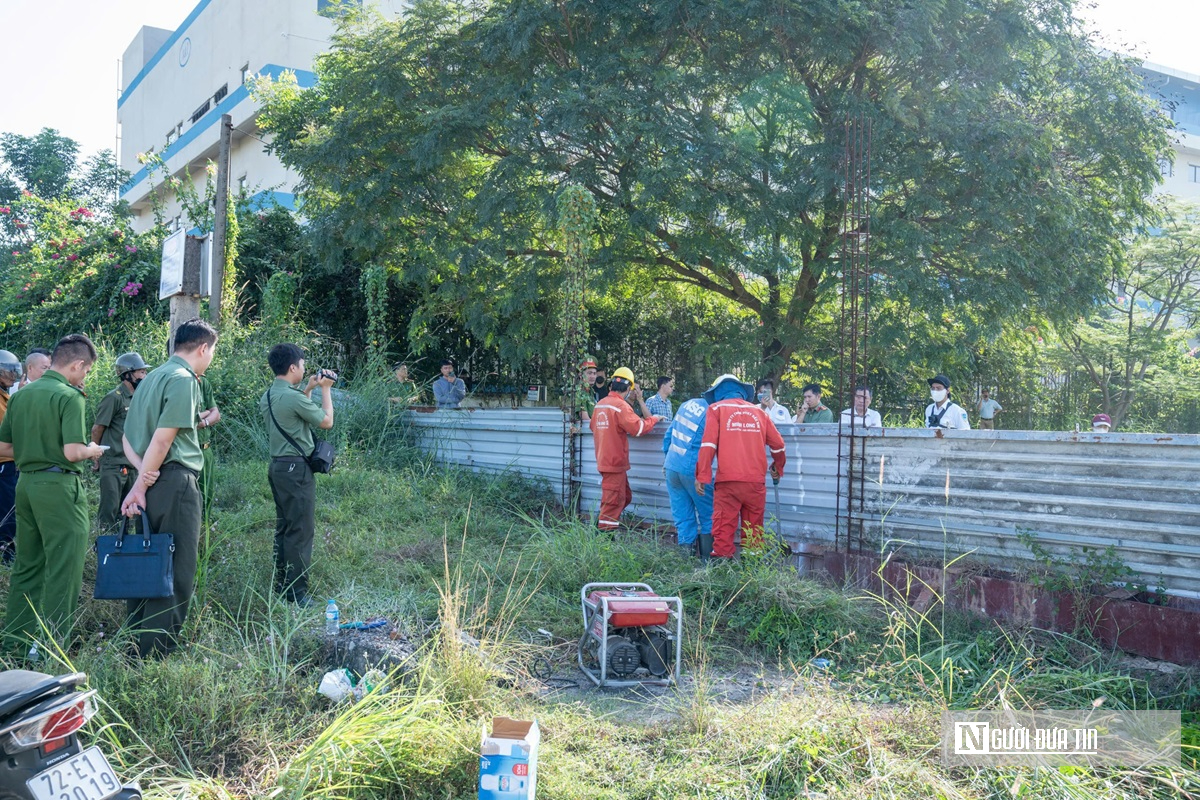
<point>692,512</point>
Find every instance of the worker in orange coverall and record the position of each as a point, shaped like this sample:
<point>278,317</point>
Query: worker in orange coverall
<point>613,422</point>
<point>736,433</point>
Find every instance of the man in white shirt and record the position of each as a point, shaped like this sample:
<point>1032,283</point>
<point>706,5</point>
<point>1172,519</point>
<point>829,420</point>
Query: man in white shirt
<point>766,401</point>
<point>988,409</point>
<point>36,364</point>
<point>864,416</point>
<point>944,412</point>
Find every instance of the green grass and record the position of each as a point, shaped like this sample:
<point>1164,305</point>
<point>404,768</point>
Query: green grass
<point>442,553</point>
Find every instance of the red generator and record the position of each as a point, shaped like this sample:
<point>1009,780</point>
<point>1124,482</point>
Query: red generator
<point>631,635</point>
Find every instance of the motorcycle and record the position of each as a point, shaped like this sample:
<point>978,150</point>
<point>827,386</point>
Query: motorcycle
<point>40,716</point>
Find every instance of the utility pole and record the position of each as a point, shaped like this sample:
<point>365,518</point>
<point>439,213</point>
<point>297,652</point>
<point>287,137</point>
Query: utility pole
<point>186,305</point>
<point>220,223</point>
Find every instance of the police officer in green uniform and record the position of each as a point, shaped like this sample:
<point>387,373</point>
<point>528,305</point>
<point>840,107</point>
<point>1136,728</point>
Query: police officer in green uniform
<point>290,413</point>
<point>161,442</point>
<point>10,373</point>
<point>45,431</point>
<point>116,473</point>
<point>209,415</point>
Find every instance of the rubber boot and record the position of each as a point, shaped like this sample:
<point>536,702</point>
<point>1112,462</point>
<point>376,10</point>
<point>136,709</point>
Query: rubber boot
<point>706,545</point>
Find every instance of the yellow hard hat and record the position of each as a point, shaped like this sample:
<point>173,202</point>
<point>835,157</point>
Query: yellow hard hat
<point>624,374</point>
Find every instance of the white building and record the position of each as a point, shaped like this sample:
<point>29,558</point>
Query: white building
<point>175,86</point>
<point>1179,94</point>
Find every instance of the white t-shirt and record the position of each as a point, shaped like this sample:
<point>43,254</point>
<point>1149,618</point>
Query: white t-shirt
<point>870,420</point>
<point>988,408</point>
<point>778,414</point>
<point>953,417</point>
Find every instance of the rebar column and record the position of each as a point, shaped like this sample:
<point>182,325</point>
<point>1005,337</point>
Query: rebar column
<point>853,329</point>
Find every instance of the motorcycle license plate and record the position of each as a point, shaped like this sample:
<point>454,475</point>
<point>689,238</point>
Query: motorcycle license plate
<point>87,776</point>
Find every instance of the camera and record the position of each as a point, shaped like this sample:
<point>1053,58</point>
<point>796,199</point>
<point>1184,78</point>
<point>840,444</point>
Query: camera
<point>326,374</point>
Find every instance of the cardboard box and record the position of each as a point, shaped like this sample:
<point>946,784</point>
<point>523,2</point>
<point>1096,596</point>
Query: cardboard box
<point>508,760</point>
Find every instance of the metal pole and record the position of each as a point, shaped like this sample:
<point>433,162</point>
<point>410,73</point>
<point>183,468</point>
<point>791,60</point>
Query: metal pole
<point>220,223</point>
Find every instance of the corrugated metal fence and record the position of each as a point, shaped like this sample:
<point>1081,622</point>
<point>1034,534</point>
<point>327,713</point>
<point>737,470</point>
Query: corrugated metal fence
<point>927,493</point>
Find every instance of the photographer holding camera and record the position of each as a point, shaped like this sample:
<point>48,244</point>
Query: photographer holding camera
<point>449,390</point>
<point>290,415</point>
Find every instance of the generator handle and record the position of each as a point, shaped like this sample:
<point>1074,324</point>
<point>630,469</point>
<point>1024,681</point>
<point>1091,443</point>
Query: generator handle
<point>585,606</point>
<point>588,587</point>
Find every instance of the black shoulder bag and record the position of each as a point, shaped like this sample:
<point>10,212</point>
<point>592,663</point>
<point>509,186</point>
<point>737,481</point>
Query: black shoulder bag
<point>323,455</point>
<point>132,567</point>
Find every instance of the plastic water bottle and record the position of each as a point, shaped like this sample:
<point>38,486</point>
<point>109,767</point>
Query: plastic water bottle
<point>332,617</point>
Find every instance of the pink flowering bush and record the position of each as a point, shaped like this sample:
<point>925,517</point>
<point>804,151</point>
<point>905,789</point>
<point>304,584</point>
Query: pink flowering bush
<point>52,256</point>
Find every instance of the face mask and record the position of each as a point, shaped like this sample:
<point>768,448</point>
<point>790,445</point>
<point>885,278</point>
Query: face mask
<point>1099,429</point>
<point>601,381</point>
<point>938,395</point>
<point>762,396</point>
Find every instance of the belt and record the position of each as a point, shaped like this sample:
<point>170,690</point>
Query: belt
<point>60,470</point>
<point>290,459</point>
<point>176,465</point>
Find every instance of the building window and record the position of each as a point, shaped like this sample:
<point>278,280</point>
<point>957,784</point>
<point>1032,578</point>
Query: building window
<point>1165,167</point>
<point>245,73</point>
<point>1194,173</point>
<point>174,133</point>
<point>242,185</point>
<point>200,112</point>
<point>177,223</point>
<point>219,95</point>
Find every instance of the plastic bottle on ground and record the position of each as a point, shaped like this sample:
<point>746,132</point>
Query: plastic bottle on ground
<point>332,617</point>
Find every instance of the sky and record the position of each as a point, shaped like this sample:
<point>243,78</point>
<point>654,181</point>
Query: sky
<point>63,54</point>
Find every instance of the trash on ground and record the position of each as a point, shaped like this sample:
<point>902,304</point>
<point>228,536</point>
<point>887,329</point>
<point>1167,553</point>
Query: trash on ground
<point>508,760</point>
<point>337,685</point>
<point>370,624</point>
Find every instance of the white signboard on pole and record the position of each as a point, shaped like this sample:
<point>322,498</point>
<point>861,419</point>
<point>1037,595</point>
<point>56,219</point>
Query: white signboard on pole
<point>171,281</point>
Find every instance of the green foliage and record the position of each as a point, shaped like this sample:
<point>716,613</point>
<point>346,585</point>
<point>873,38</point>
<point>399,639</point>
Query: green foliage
<point>374,284</point>
<point>1140,335</point>
<point>68,270</point>
<point>43,164</point>
<point>712,145</point>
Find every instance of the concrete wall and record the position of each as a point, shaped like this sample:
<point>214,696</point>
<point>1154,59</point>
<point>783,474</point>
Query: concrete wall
<point>927,495</point>
<point>207,51</point>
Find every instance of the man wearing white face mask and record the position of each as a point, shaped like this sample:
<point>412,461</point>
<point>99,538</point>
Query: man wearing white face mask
<point>944,412</point>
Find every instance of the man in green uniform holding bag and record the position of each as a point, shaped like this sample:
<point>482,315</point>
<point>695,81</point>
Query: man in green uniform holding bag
<point>45,432</point>
<point>161,442</point>
<point>290,415</point>
<point>116,473</point>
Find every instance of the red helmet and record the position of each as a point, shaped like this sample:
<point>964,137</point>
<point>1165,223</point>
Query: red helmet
<point>1102,419</point>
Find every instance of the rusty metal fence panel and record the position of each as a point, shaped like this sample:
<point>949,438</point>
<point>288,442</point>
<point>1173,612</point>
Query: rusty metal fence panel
<point>972,493</point>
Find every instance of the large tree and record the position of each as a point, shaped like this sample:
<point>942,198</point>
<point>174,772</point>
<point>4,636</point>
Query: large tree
<point>1141,331</point>
<point>1008,155</point>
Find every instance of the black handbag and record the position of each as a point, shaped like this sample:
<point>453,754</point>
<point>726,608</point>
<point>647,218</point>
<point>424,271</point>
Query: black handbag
<point>135,567</point>
<point>323,455</point>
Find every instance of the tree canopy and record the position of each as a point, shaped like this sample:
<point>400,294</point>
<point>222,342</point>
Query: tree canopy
<point>1008,155</point>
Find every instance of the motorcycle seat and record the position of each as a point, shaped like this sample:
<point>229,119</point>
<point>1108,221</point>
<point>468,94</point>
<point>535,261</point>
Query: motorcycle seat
<point>19,687</point>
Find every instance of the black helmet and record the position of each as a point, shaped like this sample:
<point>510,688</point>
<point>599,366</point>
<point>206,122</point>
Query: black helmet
<point>128,362</point>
